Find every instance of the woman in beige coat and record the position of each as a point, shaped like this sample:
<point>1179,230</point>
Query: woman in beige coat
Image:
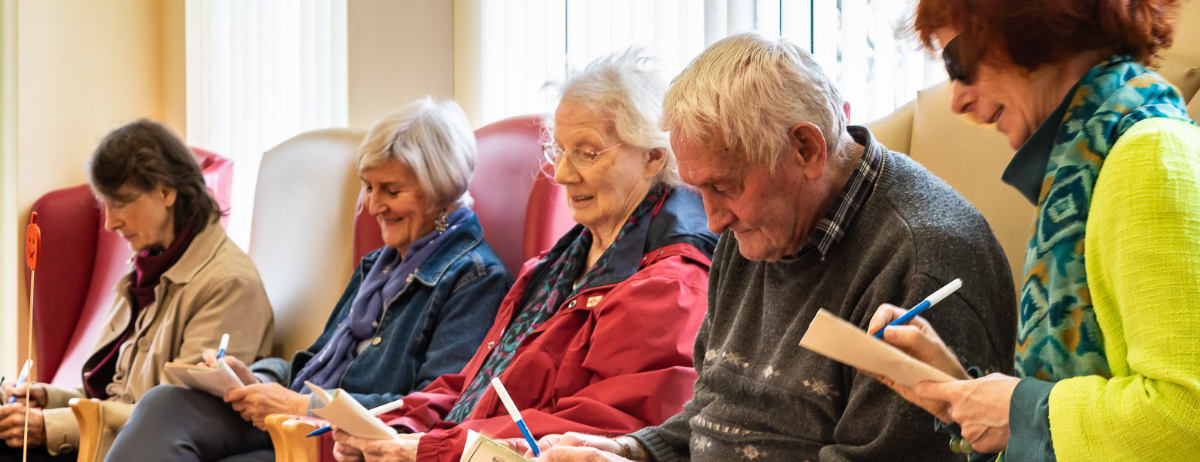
<point>188,285</point>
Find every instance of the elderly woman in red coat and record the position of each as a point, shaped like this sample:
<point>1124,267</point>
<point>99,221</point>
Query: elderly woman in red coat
<point>596,335</point>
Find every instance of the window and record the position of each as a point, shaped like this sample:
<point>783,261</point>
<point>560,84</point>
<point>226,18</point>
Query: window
<point>523,44</point>
<point>258,73</point>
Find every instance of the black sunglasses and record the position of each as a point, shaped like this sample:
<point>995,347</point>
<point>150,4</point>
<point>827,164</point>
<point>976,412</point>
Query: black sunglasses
<point>956,66</point>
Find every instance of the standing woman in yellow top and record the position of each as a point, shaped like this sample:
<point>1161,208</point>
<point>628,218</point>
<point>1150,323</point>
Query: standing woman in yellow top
<point>1108,338</point>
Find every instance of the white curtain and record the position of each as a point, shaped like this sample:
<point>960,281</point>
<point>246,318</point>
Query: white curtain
<point>258,73</point>
<point>522,44</point>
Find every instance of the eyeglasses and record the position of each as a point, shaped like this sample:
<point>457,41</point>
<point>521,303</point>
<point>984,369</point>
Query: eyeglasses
<point>957,65</point>
<point>579,158</point>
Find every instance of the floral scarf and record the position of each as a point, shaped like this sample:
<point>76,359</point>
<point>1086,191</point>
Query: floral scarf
<point>552,283</point>
<point>1057,333</point>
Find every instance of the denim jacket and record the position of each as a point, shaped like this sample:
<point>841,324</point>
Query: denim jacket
<point>431,328</point>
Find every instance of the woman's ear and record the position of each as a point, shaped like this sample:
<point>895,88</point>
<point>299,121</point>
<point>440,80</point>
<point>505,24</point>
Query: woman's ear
<point>656,161</point>
<point>168,194</point>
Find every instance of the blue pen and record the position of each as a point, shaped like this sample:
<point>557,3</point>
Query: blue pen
<point>377,410</point>
<point>515,414</point>
<point>929,301</point>
<point>221,348</point>
<point>21,379</point>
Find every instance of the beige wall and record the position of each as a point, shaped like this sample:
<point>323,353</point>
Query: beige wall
<point>82,69</point>
<point>399,50</point>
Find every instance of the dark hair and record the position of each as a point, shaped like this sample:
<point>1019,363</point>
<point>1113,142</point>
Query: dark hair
<point>1032,33</point>
<point>145,155</point>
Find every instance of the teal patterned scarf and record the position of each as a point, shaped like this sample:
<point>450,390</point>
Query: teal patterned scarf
<point>1057,333</point>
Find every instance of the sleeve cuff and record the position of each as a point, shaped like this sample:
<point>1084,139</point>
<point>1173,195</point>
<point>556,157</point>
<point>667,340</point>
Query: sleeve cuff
<point>655,445</point>
<point>1029,422</point>
<point>62,433</point>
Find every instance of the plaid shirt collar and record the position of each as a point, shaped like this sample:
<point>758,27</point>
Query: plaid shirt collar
<point>854,195</point>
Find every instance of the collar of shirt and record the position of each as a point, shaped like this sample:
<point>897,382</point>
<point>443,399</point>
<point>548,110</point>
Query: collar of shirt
<point>1027,169</point>
<point>855,193</point>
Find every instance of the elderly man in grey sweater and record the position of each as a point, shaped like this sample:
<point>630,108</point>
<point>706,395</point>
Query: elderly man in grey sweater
<point>813,214</point>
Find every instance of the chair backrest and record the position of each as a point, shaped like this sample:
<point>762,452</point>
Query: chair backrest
<point>510,154</point>
<point>80,266</point>
<point>299,228</point>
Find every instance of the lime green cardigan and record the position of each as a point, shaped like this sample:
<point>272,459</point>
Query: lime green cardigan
<point>1142,254</point>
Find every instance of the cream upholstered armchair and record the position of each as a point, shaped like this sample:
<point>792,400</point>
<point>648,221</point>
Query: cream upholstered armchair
<point>301,230</point>
<point>971,157</point>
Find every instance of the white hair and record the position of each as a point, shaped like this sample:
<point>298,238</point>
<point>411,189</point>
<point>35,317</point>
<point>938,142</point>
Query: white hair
<point>432,138</point>
<point>622,89</point>
<point>750,90</point>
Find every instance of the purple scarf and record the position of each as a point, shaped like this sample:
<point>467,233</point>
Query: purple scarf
<point>382,284</point>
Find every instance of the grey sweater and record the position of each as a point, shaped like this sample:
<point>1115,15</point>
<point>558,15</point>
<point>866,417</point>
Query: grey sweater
<point>760,396</point>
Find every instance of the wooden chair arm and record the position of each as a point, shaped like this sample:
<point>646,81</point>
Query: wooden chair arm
<point>300,447</point>
<point>275,429</point>
<point>87,416</point>
<point>98,423</point>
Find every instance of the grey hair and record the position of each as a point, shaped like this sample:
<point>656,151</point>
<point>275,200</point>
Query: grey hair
<point>750,91</point>
<point>432,138</point>
<point>624,89</point>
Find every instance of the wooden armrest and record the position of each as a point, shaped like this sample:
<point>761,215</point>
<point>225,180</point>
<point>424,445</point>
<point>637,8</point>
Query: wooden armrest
<point>300,447</point>
<point>87,416</point>
<point>275,429</point>
<point>98,423</point>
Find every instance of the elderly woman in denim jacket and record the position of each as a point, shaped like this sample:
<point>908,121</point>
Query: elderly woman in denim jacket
<point>414,310</point>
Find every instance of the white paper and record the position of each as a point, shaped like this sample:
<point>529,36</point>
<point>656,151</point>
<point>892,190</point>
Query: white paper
<point>480,448</point>
<point>212,381</point>
<point>349,415</point>
<point>841,341</point>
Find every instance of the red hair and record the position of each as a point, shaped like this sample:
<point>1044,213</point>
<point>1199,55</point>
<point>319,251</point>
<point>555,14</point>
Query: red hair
<point>1030,33</point>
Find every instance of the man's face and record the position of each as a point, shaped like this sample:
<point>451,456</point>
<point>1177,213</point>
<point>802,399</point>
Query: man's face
<point>764,209</point>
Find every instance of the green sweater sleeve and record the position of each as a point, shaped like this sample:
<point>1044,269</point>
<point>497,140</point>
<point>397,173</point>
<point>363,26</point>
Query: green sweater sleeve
<point>1142,254</point>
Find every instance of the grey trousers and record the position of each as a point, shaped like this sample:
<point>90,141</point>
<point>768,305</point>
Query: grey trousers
<point>173,423</point>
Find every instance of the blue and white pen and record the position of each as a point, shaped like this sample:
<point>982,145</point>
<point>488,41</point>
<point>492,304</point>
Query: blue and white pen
<point>221,348</point>
<point>929,301</point>
<point>21,379</point>
<point>516,415</point>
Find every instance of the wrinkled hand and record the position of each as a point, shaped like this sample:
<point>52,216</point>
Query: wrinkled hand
<point>239,368</point>
<point>919,340</point>
<point>37,394</point>
<point>578,446</point>
<point>979,406</point>
<point>12,428</point>
<point>256,402</point>
<point>347,448</point>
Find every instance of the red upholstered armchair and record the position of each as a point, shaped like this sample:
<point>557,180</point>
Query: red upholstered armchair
<point>80,264</point>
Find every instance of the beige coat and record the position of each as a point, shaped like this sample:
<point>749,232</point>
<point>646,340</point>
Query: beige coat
<point>214,288</point>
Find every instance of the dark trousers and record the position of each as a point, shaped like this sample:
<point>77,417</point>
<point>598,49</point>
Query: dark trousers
<point>178,424</point>
<point>36,454</point>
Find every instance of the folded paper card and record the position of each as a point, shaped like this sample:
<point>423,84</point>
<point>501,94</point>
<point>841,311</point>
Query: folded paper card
<point>348,415</point>
<point>212,381</point>
<point>841,341</point>
<point>480,448</point>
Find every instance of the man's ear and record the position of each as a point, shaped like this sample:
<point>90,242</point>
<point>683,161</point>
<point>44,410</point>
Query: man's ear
<point>808,145</point>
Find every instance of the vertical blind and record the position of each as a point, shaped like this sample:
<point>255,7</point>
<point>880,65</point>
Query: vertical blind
<point>258,73</point>
<point>524,44</point>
